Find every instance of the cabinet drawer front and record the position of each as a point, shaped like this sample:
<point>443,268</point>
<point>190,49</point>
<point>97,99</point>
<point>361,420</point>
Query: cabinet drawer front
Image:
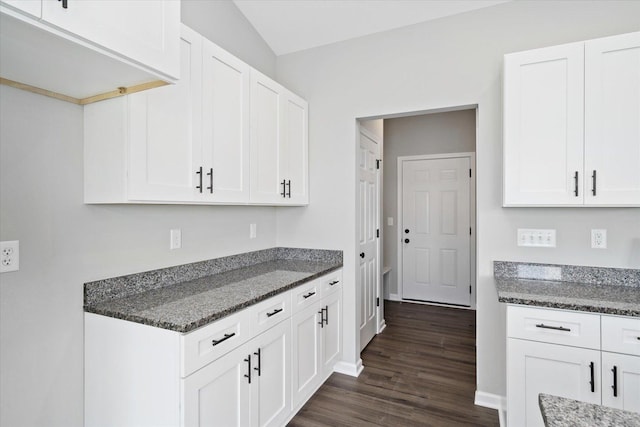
<point>332,282</point>
<point>621,335</point>
<point>305,295</point>
<point>270,312</point>
<point>208,343</point>
<point>554,326</point>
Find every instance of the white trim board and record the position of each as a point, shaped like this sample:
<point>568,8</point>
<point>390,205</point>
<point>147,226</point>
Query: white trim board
<point>351,369</point>
<point>493,401</point>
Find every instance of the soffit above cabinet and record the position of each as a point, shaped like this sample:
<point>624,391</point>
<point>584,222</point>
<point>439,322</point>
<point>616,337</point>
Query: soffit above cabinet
<point>34,53</point>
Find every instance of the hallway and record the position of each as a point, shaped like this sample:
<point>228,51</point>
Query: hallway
<point>419,372</point>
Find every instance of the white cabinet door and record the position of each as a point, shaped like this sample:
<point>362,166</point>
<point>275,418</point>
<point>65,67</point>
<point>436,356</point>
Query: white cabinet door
<point>165,146</point>
<point>621,381</point>
<point>271,399</point>
<point>535,368</point>
<point>225,125</point>
<point>543,126</point>
<point>279,164</point>
<point>293,161</point>
<point>146,31</point>
<point>220,393</point>
<point>612,120</point>
<point>332,338</point>
<point>29,7</point>
<point>267,185</point>
<point>306,355</point>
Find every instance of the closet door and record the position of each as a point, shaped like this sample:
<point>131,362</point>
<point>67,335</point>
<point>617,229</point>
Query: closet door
<point>612,120</point>
<point>543,126</point>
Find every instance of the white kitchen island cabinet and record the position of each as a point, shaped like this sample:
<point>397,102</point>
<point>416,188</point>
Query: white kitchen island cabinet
<point>114,43</point>
<point>572,124</point>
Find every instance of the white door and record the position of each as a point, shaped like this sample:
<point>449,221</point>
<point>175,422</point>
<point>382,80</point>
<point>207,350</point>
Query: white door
<point>559,370</point>
<point>621,381</point>
<point>612,120</point>
<point>225,125</point>
<point>143,30</point>
<point>368,153</point>
<point>543,126</point>
<point>165,146</point>
<point>219,394</point>
<point>436,230</point>
<point>271,401</point>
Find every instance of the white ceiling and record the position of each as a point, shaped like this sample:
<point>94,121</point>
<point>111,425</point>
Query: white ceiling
<point>293,25</point>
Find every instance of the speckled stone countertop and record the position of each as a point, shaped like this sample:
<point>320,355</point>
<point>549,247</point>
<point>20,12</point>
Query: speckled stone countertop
<point>196,301</point>
<point>593,289</point>
<point>562,412</point>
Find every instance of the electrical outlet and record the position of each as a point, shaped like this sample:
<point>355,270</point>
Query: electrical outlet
<point>175,236</point>
<point>599,239</point>
<point>9,256</point>
<point>252,231</point>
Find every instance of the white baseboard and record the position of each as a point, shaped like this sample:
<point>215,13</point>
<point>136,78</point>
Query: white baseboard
<point>352,369</point>
<point>382,326</point>
<point>493,401</point>
<point>394,297</point>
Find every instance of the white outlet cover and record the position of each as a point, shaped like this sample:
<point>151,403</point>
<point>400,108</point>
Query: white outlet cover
<point>599,238</point>
<point>175,239</point>
<point>9,256</point>
<point>252,231</point>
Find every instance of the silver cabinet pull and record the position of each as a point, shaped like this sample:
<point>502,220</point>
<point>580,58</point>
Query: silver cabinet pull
<point>555,328</point>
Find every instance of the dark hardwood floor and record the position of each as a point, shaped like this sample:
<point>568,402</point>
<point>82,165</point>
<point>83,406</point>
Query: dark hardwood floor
<point>420,371</point>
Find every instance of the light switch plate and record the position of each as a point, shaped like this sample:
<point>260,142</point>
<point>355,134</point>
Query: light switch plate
<point>541,238</point>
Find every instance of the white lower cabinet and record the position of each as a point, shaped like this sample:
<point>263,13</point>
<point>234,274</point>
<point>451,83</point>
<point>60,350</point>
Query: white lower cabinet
<point>583,356</point>
<point>247,387</point>
<point>254,368</point>
<point>559,370</point>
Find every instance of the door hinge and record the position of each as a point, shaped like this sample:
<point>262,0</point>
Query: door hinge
<point>469,288</point>
<point>469,173</point>
<point>378,302</point>
<point>378,163</point>
<point>378,233</point>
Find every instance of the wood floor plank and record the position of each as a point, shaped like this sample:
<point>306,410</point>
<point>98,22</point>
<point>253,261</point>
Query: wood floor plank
<point>421,371</point>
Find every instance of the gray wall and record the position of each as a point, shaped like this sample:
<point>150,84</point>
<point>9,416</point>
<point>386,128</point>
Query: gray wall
<point>64,243</point>
<point>448,62</point>
<point>222,22</point>
<point>451,132</point>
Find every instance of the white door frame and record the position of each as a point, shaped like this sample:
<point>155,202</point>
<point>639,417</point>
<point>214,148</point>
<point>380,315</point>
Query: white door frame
<point>472,219</point>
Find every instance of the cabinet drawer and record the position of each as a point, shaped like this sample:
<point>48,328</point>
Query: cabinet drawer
<point>270,312</point>
<point>554,326</point>
<point>208,343</point>
<point>331,282</point>
<point>305,295</point>
<point>621,335</point>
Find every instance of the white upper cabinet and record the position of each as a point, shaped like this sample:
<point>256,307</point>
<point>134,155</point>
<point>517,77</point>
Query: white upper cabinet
<point>570,110</point>
<point>225,124</point>
<point>279,146</point>
<point>112,43</point>
<point>612,120</point>
<point>191,142</point>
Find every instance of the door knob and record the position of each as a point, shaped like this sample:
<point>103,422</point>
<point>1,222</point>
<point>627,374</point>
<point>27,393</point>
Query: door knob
<point>361,254</point>
<point>406,240</point>
<point>406,230</point>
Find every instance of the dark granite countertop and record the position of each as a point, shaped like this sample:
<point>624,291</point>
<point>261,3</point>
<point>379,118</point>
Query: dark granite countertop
<point>608,299</point>
<point>583,288</point>
<point>562,412</point>
<point>185,306</point>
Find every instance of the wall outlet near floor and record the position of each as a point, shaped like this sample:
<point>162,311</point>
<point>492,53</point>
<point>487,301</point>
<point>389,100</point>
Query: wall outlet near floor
<point>175,236</point>
<point>9,256</point>
<point>252,231</point>
<point>599,239</point>
<point>537,237</point>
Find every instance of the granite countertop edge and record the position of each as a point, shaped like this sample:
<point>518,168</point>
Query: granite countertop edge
<point>563,412</point>
<point>532,300</point>
<point>184,328</point>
